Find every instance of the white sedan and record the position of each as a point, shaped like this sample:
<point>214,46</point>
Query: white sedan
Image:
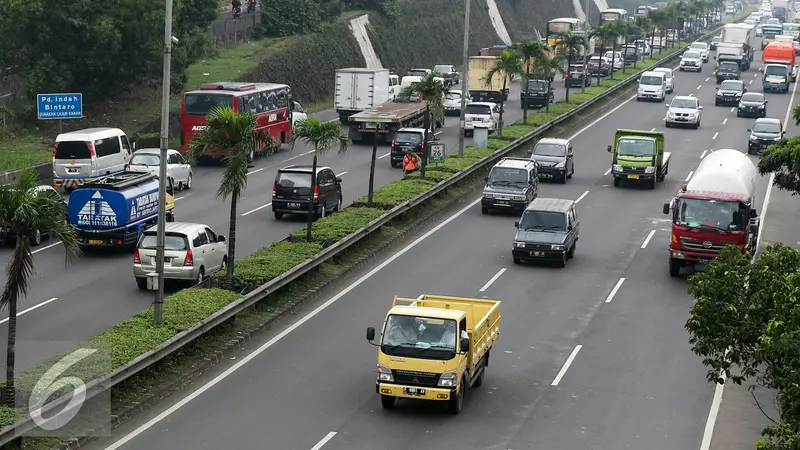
<point>148,160</point>
<point>298,114</point>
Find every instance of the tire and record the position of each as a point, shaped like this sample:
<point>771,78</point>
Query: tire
<point>339,204</point>
<point>738,114</point>
<point>571,252</point>
<point>674,267</point>
<point>572,172</point>
<point>667,124</point>
<point>456,403</point>
<point>697,125</point>
<point>564,178</point>
<point>616,182</point>
<point>172,182</point>
<point>142,283</point>
<point>188,182</point>
<point>36,239</point>
<point>394,164</point>
<point>517,261</point>
<point>224,265</point>
<point>278,215</point>
<point>484,210</point>
<point>479,381</point>
<point>251,156</point>
<point>563,261</point>
<point>387,401</point>
<point>201,277</point>
<point>652,184</point>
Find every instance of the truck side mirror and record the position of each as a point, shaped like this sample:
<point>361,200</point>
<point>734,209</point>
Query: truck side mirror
<point>609,149</point>
<point>464,345</point>
<point>370,334</point>
<point>665,209</point>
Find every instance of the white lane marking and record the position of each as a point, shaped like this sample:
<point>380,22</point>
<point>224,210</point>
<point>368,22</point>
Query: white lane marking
<point>324,440</point>
<point>566,365</point>
<point>581,197</point>
<point>384,156</point>
<point>596,121</point>
<point>614,291</point>
<point>284,161</point>
<point>607,171</point>
<point>691,95</point>
<point>25,311</point>
<point>733,109</point>
<point>698,87</point>
<point>715,135</point>
<point>178,198</point>
<point>255,171</point>
<point>708,78</point>
<point>751,82</point>
<point>703,155</point>
<point>647,239</point>
<point>257,209</point>
<point>689,176</point>
<point>340,174</point>
<point>755,75</point>
<point>492,280</point>
<point>653,129</point>
<point>45,248</point>
<point>725,121</point>
<point>202,389</point>
<point>708,433</point>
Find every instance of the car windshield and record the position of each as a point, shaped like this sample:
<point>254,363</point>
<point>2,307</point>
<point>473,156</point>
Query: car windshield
<point>442,69</point>
<point>728,66</point>
<point>536,85</point>
<point>650,80</point>
<point>408,138</point>
<point>766,127</point>
<point>478,109</point>
<point>145,159</point>
<point>722,215</point>
<point>543,220</point>
<point>203,104</point>
<point>508,175</point>
<point>420,337</point>
<point>683,103</point>
<point>775,70</point>
<point>699,46</point>
<point>294,179</point>
<point>172,241</point>
<point>550,150</point>
<point>731,85</point>
<point>753,97</point>
<point>691,55</point>
<point>635,147</point>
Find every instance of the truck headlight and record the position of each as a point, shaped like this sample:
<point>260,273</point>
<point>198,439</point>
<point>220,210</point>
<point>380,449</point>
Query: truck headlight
<point>385,374</point>
<point>557,247</point>
<point>616,168</point>
<point>448,379</point>
<point>650,169</point>
<point>519,244</point>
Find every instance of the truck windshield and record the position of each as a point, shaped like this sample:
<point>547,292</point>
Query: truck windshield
<point>728,66</point>
<point>775,70</point>
<point>537,85</point>
<point>420,337</point>
<point>722,215</point>
<point>635,147</point>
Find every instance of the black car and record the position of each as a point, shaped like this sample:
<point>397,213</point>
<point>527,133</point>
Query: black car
<point>448,72</point>
<point>539,94</point>
<point>548,231</point>
<point>765,132</point>
<point>511,185</point>
<point>728,70</point>
<point>752,104</point>
<point>577,76</point>
<point>729,92</point>
<point>293,194</point>
<point>554,159</point>
<point>630,53</point>
<point>408,140</point>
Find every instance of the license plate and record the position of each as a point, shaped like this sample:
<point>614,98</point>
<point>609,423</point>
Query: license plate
<point>294,205</point>
<point>95,241</point>
<point>502,202</point>
<point>71,170</point>
<point>414,391</point>
<point>372,125</point>
<point>545,175</point>
<point>633,177</point>
<point>537,253</point>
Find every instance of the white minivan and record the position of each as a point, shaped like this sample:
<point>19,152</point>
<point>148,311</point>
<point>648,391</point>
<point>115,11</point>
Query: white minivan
<point>80,156</point>
<point>652,86</point>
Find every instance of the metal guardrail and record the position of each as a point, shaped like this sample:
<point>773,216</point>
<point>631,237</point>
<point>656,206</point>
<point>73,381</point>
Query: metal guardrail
<point>171,346</point>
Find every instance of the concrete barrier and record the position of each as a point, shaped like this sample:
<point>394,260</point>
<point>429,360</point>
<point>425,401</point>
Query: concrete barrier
<point>43,171</point>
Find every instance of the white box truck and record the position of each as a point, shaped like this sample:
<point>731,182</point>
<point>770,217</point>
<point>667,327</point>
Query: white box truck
<point>359,89</point>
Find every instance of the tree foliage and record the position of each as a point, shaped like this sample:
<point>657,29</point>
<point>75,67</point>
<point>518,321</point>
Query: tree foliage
<point>784,161</point>
<point>745,323</point>
<point>282,18</point>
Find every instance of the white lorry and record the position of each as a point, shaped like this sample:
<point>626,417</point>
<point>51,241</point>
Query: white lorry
<point>359,89</point>
<point>737,33</point>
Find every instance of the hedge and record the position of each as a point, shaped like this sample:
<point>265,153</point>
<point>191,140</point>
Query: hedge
<point>262,266</point>
<point>338,225</point>
<point>397,192</point>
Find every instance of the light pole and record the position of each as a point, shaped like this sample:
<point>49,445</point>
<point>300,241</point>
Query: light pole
<point>158,307</point>
<point>585,49</point>
<point>464,83</point>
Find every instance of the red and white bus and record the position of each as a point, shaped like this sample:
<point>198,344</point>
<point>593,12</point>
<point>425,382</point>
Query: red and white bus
<point>272,103</point>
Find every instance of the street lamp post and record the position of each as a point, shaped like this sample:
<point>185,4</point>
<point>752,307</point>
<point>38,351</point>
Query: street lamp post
<point>464,82</point>
<point>585,49</point>
<point>158,307</point>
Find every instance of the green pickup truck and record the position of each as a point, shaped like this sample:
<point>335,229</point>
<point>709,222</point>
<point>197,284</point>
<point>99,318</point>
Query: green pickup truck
<point>638,156</point>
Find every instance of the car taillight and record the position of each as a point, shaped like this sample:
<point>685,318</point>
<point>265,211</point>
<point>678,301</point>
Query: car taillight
<point>491,117</point>
<point>274,190</point>
<point>136,259</point>
<point>189,261</point>
<point>393,141</point>
<point>316,193</point>
<point>128,167</point>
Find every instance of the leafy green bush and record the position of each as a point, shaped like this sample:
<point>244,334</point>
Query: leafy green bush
<point>262,266</point>
<point>397,192</point>
<point>495,143</point>
<point>477,153</point>
<point>432,175</point>
<point>340,224</point>
<point>516,131</point>
<point>579,99</point>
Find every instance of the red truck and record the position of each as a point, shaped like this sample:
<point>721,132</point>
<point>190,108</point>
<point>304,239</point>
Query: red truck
<point>716,208</point>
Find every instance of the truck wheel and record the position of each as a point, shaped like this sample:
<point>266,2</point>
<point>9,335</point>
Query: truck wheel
<point>387,401</point>
<point>394,164</point>
<point>517,261</point>
<point>484,210</point>
<point>616,182</point>
<point>479,381</point>
<point>457,401</point>
<point>674,267</point>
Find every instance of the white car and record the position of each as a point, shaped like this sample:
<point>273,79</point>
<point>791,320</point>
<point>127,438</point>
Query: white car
<point>670,77</point>
<point>703,48</point>
<point>481,114</point>
<point>652,86</point>
<point>148,160</point>
<point>683,110</point>
<point>452,103</point>
<point>619,60</point>
<point>298,114</point>
<point>691,60</point>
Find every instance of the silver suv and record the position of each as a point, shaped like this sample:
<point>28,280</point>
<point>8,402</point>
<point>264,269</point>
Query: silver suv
<point>192,251</point>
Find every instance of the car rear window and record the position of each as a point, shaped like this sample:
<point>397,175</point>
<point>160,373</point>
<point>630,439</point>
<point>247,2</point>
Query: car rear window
<point>73,150</point>
<point>418,73</point>
<point>409,138</point>
<point>202,104</point>
<point>145,160</point>
<point>445,69</point>
<point>172,241</point>
<point>478,109</point>
<point>539,85</point>
<point>294,179</point>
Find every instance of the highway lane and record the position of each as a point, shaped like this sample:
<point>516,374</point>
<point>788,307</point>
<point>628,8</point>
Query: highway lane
<point>545,311</point>
<point>100,286</point>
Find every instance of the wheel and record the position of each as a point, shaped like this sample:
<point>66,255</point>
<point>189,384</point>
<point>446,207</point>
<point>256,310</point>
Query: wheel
<point>36,239</point>
<point>339,204</point>
<point>172,183</point>
<point>563,261</point>
<point>484,210</point>
<point>224,264</point>
<point>517,261</point>
<point>638,99</point>
<point>189,182</point>
<point>278,215</point>
<point>652,184</point>
<point>394,164</point>
<point>716,103</point>
<point>522,105</point>
<point>142,283</point>
<point>571,172</point>
<point>323,211</point>
<point>738,114</point>
<point>667,124</point>
<point>681,69</point>
<point>457,401</point>
<point>571,252</point>
<point>564,178</point>
<point>479,381</point>
<point>616,182</point>
<point>251,156</point>
<point>674,267</point>
<point>697,125</point>
<point>201,276</point>
<point>388,401</point>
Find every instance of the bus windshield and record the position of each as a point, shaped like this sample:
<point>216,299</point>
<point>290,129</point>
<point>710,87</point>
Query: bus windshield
<point>558,27</point>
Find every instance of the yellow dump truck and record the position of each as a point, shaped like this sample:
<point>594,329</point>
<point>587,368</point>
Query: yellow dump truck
<point>434,348</point>
<point>480,88</point>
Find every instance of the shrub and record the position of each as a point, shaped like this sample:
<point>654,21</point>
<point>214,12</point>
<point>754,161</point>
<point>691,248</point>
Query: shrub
<point>515,132</point>
<point>560,108</point>
<point>477,153</point>
<point>397,192</point>
<point>579,99</point>
<point>432,175</point>
<point>495,143</point>
<point>262,266</point>
<point>338,225</point>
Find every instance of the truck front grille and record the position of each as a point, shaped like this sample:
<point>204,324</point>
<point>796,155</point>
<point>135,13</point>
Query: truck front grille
<point>411,378</point>
<point>626,169</point>
<point>693,244</point>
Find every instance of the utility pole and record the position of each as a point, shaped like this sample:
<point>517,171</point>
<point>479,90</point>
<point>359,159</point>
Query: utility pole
<point>586,49</point>
<point>158,307</point>
<point>464,83</point>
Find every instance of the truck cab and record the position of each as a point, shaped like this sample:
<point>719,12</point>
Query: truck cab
<point>638,156</point>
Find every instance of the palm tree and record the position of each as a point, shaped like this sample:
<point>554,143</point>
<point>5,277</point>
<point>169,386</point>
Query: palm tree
<point>530,50</point>
<point>26,214</point>
<point>321,136</point>
<point>570,45</point>
<point>432,91</point>
<point>545,66</point>
<point>507,65</point>
<point>656,18</point>
<point>237,136</point>
<point>638,31</point>
<point>606,33</point>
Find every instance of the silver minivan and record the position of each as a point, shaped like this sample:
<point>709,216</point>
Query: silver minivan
<point>80,156</point>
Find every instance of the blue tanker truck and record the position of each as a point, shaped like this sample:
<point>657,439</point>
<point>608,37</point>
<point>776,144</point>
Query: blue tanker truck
<point>112,211</point>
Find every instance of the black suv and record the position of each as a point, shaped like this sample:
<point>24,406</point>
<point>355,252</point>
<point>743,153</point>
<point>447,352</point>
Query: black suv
<point>511,185</point>
<point>292,192</point>
<point>728,70</point>
<point>729,92</point>
<point>547,231</point>
<point>408,140</point>
<point>554,159</point>
<point>765,132</point>
<point>577,76</point>
<point>539,94</point>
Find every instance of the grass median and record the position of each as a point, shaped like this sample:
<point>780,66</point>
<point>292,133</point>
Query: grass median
<point>183,310</point>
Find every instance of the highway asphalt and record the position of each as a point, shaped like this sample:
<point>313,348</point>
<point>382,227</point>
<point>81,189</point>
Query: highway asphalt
<point>591,356</point>
<point>99,291</point>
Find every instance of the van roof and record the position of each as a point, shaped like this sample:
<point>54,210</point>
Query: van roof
<point>550,204</point>
<point>301,168</point>
<point>653,73</point>
<point>89,134</point>
<point>518,163</point>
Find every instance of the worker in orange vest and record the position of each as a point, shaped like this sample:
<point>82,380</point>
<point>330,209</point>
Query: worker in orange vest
<point>410,163</point>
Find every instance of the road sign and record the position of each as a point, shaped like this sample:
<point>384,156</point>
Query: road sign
<point>59,106</point>
<point>437,153</point>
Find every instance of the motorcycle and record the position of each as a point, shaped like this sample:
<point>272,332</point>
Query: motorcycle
<point>251,6</point>
<point>237,12</point>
